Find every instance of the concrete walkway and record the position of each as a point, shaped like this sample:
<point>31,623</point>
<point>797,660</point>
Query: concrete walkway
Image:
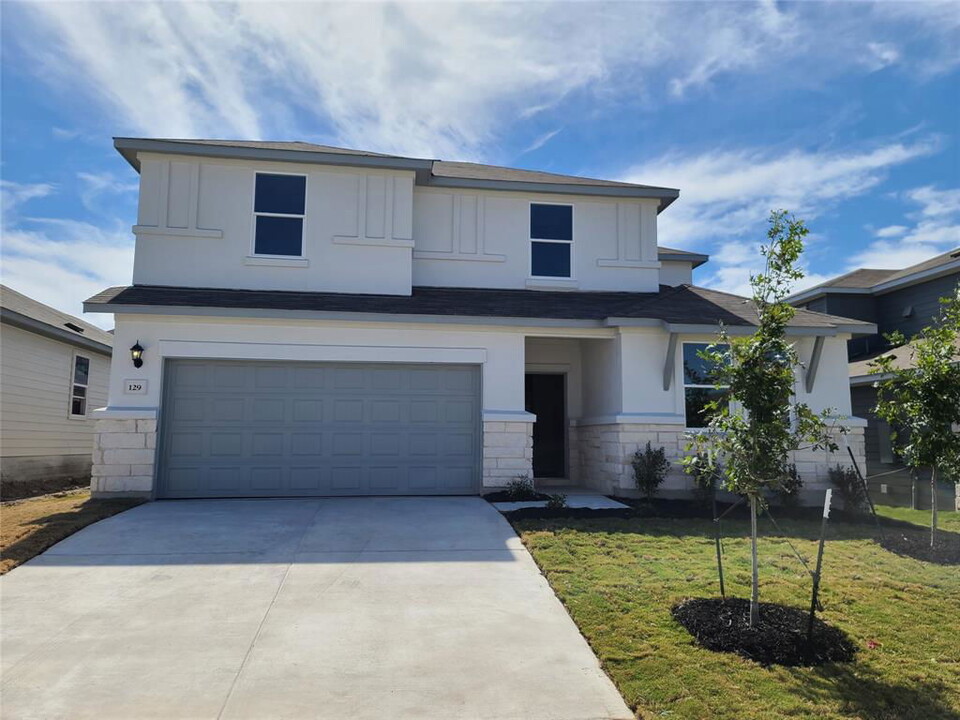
<point>343,608</point>
<point>575,499</point>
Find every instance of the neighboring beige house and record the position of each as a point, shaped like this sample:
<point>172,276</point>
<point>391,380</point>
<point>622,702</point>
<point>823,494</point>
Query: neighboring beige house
<point>53,372</point>
<point>318,321</point>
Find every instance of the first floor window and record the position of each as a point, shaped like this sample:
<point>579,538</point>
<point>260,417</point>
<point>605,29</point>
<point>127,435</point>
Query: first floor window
<point>551,240</point>
<point>699,386</point>
<point>78,386</point>
<point>279,205</point>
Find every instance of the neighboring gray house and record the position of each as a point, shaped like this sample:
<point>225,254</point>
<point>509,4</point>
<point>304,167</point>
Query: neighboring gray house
<point>53,372</point>
<point>320,321</point>
<point>906,300</point>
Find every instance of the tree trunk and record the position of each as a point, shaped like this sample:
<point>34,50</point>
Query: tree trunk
<point>755,591</point>
<point>933,506</point>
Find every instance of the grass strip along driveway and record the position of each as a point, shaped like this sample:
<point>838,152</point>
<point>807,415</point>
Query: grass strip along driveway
<point>620,577</point>
<point>28,527</point>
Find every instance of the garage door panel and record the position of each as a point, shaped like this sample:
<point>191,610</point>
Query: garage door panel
<point>306,443</point>
<point>251,428</point>
<point>225,375</point>
<point>226,444</point>
<point>266,478</point>
<point>305,411</point>
<point>226,409</point>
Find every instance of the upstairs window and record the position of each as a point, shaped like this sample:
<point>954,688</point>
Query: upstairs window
<point>551,240</point>
<point>699,386</point>
<point>278,208</point>
<point>78,386</point>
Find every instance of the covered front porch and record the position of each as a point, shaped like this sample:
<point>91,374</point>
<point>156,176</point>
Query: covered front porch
<point>598,396</point>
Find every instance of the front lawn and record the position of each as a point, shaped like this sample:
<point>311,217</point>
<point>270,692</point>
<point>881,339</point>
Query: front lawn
<point>28,527</point>
<point>620,577</point>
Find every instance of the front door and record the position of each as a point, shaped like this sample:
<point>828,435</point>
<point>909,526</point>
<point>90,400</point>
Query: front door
<point>545,398</point>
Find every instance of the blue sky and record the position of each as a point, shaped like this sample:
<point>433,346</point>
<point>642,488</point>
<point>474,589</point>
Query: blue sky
<point>845,113</point>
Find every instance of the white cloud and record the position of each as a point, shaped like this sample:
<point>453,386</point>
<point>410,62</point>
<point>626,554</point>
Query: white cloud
<point>97,186</point>
<point>542,140</point>
<point>891,231</point>
<point>60,262</point>
<point>880,55</point>
<point>936,230</point>
<point>727,195</point>
<point>434,79</point>
<point>13,195</point>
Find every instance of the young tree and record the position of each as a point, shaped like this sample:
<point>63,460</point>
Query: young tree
<point>755,426</point>
<point>923,401</point>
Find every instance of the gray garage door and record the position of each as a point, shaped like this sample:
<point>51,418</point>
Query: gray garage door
<point>270,429</point>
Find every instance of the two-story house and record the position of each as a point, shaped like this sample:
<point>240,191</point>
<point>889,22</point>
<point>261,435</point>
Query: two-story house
<point>906,300</point>
<point>309,320</point>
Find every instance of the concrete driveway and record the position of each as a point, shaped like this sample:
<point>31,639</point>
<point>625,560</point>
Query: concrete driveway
<point>341,608</point>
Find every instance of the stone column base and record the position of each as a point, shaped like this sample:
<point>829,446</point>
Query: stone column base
<point>606,452</point>
<point>123,457</point>
<point>507,452</point>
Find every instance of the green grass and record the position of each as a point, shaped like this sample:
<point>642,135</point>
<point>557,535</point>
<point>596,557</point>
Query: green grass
<point>619,579</point>
<point>947,519</point>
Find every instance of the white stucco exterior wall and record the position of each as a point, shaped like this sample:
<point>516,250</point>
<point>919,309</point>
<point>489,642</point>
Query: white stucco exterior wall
<point>195,227</point>
<point>499,352</point>
<point>482,239</point>
<point>374,231</point>
<point>675,273</point>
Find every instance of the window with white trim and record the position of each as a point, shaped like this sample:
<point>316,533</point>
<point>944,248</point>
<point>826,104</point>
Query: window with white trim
<point>79,382</point>
<point>279,203</point>
<point>551,240</point>
<point>699,387</point>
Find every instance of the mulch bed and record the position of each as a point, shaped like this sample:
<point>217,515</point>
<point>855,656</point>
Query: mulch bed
<point>916,544</point>
<point>780,638</point>
<point>504,496</point>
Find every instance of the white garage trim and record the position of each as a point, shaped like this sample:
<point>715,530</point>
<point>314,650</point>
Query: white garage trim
<point>202,349</point>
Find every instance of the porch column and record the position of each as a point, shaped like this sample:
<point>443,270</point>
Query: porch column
<point>507,426</point>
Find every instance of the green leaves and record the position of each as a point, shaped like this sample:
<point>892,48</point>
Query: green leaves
<point>755,427</point>
<point>923,401</point>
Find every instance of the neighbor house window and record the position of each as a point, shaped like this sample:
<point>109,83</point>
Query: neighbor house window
<point>551,240</point>
<point>699,386</point>
<point>278,208</point>
<point>78,386</point>
<point>885,443</point>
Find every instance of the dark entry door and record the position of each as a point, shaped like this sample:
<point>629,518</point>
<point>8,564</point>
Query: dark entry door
<point>545,399</point>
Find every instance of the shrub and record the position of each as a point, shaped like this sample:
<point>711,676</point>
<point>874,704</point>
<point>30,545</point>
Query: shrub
<point>521,488</point>
<point>848,486</point>
<point>557,501</point>
<point>706,477</point>
<point>787,488</point>
<point>650,469</point>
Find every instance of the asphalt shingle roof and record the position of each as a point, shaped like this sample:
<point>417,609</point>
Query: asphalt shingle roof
<point>684,304</point>
<point>19,303</point>
<point>866,278</point>
<point>441,169</point>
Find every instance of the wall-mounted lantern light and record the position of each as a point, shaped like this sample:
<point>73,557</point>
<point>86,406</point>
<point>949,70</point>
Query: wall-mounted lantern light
<point>136,354</point>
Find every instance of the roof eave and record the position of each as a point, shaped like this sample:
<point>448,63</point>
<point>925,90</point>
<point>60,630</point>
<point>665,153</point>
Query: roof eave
<point>664,195</point>
<point>18,320</point>
<point>879,288</point>
<point>129,147</point>
<point>695,259</point>
<point>819,292</point>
